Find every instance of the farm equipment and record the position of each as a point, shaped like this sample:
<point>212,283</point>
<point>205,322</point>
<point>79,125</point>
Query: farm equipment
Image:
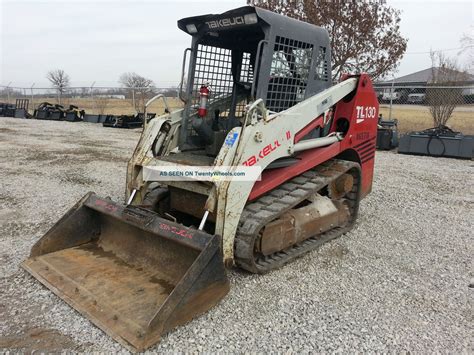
<point>21,108</point>
<point>7,110</point>
<point>47,111</point>
<point>258,93</point>
<point>127,121</point>
<point>73,114</point>
<point>438,142</point>
<point>17,110</point>
<point>93,118</point>
<point>387,134</point>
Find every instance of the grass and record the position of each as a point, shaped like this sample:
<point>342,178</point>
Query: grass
<point>417,118</point>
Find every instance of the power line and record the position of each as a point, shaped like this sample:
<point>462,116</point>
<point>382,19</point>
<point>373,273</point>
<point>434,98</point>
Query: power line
<point>440,50</point>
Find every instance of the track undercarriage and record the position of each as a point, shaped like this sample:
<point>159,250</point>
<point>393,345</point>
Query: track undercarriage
<point>287,212</point>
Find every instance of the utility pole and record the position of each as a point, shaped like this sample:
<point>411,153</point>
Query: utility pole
<point>32,102</point>
<point>8,92</point>
<point>391,99</point>
<point>133,98</point>
<point>91,87</point>
<point>92,94</point>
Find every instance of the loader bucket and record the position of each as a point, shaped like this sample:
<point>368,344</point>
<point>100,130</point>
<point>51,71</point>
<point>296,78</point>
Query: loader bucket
<point>132,273</point>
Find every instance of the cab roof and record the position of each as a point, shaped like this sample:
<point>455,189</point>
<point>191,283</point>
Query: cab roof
<point>248,18</point>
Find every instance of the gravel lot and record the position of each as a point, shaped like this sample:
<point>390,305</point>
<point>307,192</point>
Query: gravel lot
<point>399,281</point>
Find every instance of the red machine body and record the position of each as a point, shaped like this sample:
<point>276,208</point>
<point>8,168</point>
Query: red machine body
<point>356,115</point>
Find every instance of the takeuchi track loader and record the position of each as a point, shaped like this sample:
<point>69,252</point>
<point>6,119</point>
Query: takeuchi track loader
<point>258,93</point>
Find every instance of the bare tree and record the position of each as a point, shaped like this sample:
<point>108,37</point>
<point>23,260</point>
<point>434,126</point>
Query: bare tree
<point>444,93</point>
<point>141,88</point>
<point>60,80</point>
<point>467,46</point>
<point>365,35</point>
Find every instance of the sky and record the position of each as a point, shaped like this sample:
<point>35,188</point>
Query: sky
<point>96,41</point>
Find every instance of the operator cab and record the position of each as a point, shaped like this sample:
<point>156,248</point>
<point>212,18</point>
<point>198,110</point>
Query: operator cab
<point>239,56</point>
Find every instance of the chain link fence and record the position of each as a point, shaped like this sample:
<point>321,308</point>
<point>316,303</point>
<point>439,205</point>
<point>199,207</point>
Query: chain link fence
<point>420,107</point>
<point>94,100</point>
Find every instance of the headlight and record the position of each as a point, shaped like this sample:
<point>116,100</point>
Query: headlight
<point>191,28</point>
<point>250,19</point>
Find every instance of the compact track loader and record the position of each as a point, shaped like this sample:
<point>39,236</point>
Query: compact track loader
<point>258,93</point>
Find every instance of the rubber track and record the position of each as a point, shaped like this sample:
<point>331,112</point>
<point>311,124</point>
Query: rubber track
<point>281,199</point>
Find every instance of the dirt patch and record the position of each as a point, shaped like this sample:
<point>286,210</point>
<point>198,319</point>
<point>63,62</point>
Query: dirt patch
<point>80,151</point>
<point>22,170</point>
<point>49,134</point>
<point>76,155</point>
<point>77,179</point>
<point>6,199</point>
<point>41,156</point>
<point>6,130</point>
<point>38,339</point>
<point>97,144</point>
<point>98,154</point>
<point>114,158</point>
<point>338,252</point>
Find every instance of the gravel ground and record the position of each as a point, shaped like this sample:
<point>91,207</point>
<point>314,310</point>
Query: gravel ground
<point>399,281</point>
